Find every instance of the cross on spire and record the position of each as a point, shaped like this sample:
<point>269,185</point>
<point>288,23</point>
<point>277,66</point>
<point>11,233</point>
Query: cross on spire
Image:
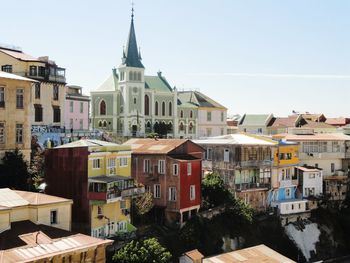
<point>132,9</point>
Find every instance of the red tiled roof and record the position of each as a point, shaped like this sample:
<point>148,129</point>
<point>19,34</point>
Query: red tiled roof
<point>285,121</point>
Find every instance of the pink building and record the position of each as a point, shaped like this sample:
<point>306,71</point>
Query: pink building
<point>76,109</point>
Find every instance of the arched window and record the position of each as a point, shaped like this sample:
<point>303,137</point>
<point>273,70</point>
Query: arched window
<point>135,75</point>
<point>102,107</point>
<point>146,105</point>
<point>190,127</point>
<point>130,75</point>
<point>105,124</point>
<point>191,114</point>
<point>163,108</point>
<point>170,127</point>
<point>134,100</point>
<point>181,114</point>
<point>100,124</point>
<point>156,108</point>
<point>139,76</point>
<point>170,108</point>
<point>181,127</point>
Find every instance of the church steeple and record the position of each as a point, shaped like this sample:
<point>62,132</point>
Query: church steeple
<point>133,58</point>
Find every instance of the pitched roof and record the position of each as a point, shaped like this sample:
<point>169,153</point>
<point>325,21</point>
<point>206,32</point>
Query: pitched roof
<point>313,116</point>
<point>19,55</point>
<point>199,99</point>
<point>259,253</point>
<point>110,84</point>
<point>40,246</point>
<point>14,77</point>
<point>86,143</point>
<point>39,198</point>
<point>254,119</point>
<point>157,83</point>
<point>236,139</point>
<point>313,137</point>
<point>195,255</point>
<point>154,146</point>
<point>341,121</point>
<point>289,121</point>
<point>314,124</point>
<point>132,58</point>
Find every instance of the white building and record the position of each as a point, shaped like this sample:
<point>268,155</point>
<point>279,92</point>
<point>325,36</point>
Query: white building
<point>311,181</point>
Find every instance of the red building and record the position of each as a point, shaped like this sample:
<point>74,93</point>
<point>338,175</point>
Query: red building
<point>171,170</point>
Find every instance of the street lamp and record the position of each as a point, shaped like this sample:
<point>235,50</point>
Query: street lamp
<point>94,113</point>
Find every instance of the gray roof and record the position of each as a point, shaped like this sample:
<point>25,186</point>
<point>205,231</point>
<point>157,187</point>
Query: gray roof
<point>255,119</point>
<point>86,143</point>
<point>199,99</point>
<point>132,58</point>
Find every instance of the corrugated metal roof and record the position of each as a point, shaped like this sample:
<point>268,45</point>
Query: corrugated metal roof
<point>86,143</point>
<point>239,139</point>
<point>154,146</point>
<point>15,77</point>
<point>255,254</point>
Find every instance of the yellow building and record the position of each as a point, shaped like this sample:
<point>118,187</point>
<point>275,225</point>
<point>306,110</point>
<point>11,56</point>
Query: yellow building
<point>15,113</point>
<point>48,93</point>
<point>105,171</point>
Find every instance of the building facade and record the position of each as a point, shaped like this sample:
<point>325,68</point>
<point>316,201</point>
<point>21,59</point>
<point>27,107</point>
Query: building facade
<point>171,170</point>
<point>132,104</point>
<point>48,94</point>
<point>96,175</point>
<point>244,163</point>
<point>76,110</point>
<point>15,114</point>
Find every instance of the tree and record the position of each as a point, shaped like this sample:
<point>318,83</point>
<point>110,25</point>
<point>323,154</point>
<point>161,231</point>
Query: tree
<point>143,204</point>
<point>142,251</point>
<point>214,192</point>
<point>14,171</point>
<point>36,168</point>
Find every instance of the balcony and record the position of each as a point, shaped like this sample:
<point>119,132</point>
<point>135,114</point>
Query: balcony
<point>255,163</point>
<point>252,186</point>
<point>133,192</point>
<point>97,196</point>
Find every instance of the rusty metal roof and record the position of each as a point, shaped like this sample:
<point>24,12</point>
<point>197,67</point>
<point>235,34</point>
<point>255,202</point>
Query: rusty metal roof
<point>154,146</point>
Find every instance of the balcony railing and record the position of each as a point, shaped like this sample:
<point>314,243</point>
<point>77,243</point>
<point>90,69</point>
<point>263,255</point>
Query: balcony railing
<point>133,192</point>
<point>255,163</point>
<point>249,186</point>
<point>98,196</point>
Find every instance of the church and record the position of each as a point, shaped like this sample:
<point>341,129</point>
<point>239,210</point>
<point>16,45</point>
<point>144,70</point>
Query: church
<point>131,104</point>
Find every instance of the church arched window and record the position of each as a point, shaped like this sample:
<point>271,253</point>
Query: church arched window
<point>163,108</point>
<point>170,109</point>
<point>156,108</point>
<point>181,126</point>
<point>135,75</point>
<point>102,107</point>
<point>191,114</point>
<point>130,75</point>
<point>139,76</point>
<point>181,114</point>
<point>146,105</point>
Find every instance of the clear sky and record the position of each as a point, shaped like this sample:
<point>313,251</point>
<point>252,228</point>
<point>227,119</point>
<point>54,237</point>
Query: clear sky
<point>262,56</point>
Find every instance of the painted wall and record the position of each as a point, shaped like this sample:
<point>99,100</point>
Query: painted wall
<point>292,207</point>
<point>64,215</point>
<point>76,115</point>
<point>217,124</point>
<point>11,116</point>
<point>312,180</point>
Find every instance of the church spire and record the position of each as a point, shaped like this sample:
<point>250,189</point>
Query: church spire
<point>133,58</point>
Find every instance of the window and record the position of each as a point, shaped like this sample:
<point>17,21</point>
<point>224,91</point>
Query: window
<point>287,192</point>
<point>81,124</point>
<point>2,133</point>
<point>208,116</point>
<point>123,204</point>
<point>181,128</point>
<point>7,68</point>
<point>181,114</point>
<point>53,217</point>
<point>156,191</point>
<point>161,166</point>
<point>71,123</point>
<point>209,154</point>
<point>56,114</point>
<point>19,133</point>
<point>190,127</point>
<point>123,161</point>
<point>139,76</point>
<point>172,193</point>
<point>146,105</point>
<point>2,97</point>
<point>163,108</point>
<point>131,76</point>
<point>102,107</point>
<point>96,163</point>
<point>170,109</point>
<point>134,100</point>
<point>191,114</point>
<point>38,113</point>
<point>208,132</point>
<point>55,92</point>
<point>189,168</point>
<point>175,169</point>
<point>146,166</point>
<point>226,155</point>
<point>32,70</point>
<point>41,71</point>
<point>192,192</point>
<point>222,116</point>
<point>19,98</point>
<point>71,106</point>
<point>37,90</point>
<point>311,176</point>
<point>111,162</point>
<point>259,130</point>
<point>122,74</point>
<point>99,210</point>
<point>156,108</point>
